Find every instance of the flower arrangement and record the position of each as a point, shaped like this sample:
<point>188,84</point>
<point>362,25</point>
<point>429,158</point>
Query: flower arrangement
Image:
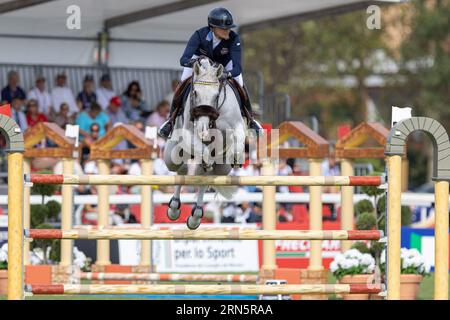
<point>412,262</point>
<point>4,257</point>
<point>352,262</point>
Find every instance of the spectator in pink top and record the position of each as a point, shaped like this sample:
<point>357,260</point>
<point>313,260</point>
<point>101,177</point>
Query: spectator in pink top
<point>157,118</point>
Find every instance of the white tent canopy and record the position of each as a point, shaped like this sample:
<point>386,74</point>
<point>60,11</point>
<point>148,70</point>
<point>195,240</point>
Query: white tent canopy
<point>149,33</point>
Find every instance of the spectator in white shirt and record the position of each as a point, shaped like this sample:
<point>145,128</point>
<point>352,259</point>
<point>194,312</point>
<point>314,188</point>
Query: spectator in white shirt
<point>42,96</point>
<point>105,92</point>
<point>62,94</point>
<point>159,116</point>
<point>169,96</point>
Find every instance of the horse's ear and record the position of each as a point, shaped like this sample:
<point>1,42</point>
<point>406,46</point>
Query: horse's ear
<point>196,68</point>
<point>219,70</point>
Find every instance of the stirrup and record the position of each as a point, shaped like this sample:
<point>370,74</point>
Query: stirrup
<point>166,129</point>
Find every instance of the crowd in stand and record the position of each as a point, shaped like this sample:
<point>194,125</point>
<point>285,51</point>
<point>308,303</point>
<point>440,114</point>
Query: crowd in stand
<point>96,110</point>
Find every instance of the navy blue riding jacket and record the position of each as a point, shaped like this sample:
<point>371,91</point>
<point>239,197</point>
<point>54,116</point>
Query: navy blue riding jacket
<point>201,44</point>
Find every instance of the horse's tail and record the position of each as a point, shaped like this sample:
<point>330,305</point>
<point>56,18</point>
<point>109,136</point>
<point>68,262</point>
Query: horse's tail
<point>226,191</point>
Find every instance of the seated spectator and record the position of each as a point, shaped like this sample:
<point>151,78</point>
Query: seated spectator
<point>244,213</point>
<point>94,115</point>
<point>169,96</point>
<point>229,213</point>
<point>105,92</point>
<point>17,113</point>
<point>159,116</point>
<point>92,136</point>
<point>62,117</point>
<point>87,96</point>
<point>42,96</point>
<point>115,112</point>
<point>255,213</point>
<point>63,94</point>
<point>133,103</point>
<point>33,114</point>
<point>13,90</point>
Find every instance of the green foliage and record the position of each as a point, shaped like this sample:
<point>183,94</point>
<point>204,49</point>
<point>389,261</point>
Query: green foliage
<point>44,189</point>
<point>55,251</point>
<point>54,208</point>
<point>361,247</point>
<point>381,205</point>
<point>366,221</point>
<point>38,214</point>
<point>364,205</point>
<point>406,216</point>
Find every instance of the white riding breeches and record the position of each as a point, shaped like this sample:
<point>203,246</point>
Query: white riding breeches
<point>187,72</point>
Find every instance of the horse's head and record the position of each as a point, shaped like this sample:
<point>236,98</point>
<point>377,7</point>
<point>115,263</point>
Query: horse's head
<point>204,96</point>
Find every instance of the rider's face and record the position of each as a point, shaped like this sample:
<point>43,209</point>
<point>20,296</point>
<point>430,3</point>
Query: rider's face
<point>222,33</point>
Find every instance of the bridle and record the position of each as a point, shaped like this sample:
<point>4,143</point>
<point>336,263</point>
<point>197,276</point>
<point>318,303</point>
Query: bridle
<point>206,110</point>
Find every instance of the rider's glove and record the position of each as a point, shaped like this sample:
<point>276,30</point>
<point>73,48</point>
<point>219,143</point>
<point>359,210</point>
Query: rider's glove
<point>190,63</point>
<point>225,75</point>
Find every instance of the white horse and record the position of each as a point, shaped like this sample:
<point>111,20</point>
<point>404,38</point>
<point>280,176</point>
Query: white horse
<point>211,132</point>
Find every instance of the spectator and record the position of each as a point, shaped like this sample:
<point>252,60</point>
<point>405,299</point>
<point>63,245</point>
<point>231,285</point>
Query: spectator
<point>42,96</point>
<point>33,114</point>
<point>105,92</point>
<point>229,213</point>
<point>87,96</point>
<point>94,115</point>
<point>255,214</point>
<point>12,90</point>
<point>114,111</point>
<point>243,213</point>
<point>169,96</point>
<point>62,94</point>
<point>133,104</point>
<point>160,115</point>
<point>89,138</point>
<point>62,117</point>
<point>17,113</point>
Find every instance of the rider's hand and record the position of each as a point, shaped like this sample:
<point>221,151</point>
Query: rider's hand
<point>225,75</point>
<point>190,63</point>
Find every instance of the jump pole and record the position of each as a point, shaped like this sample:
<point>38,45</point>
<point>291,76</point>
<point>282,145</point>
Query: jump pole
<point>168,277</point>
<point>146,214</point>
<point>347,206</point>
<point>205,234</point>
<point>26,211</point>
<point>315,214</point>
<point>103,214</point>
<point>15,148</point>
<point>103,179</point>
<point>269,221</point>
<point>66,213</point>
<point>205,289</point>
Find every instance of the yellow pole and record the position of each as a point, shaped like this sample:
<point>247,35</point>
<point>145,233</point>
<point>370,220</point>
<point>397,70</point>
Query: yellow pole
<point>269,220</point>
<point>441,254</point>
<point>26,212</point>
<point>15,226</point>
<point>103,215</point>
<point>315,216</point>
<point>394,226</point>
<point>146,213</point>
<point>347,208</point>
<point>66,213</point>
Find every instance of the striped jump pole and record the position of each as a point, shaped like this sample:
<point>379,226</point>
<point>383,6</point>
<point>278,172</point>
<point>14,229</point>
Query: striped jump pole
<point>206,289</point>
<point>206,180</point>
<point>168,277</point>
<point>206,234</point>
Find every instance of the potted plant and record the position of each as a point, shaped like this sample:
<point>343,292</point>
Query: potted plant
<point>353,267</point>
<point>371,215</point>
<point>3,268</point>
<point>413,270</point>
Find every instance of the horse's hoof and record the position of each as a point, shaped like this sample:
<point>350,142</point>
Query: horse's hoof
<point>173,212</point>
<point>193,222</point>
<point>197,212</point>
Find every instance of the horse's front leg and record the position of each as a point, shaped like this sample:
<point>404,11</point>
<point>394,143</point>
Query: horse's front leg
<point>194,220</point>
<point>173,211</point>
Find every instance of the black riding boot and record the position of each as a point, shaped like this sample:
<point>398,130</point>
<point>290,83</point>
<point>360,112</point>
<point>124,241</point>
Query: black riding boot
<point>252,123</point>
<point>166,128</point>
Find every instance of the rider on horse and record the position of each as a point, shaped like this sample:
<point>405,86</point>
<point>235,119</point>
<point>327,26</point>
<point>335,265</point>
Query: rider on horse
<point>221,45</point>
